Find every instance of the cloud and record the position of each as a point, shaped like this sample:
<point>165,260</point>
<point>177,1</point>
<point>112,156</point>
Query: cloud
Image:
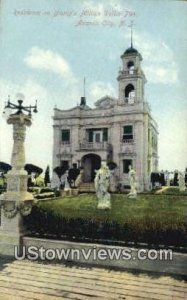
<point>98,89</point>
<point>158,74</point>
<point>159,64</point>
<point>48,60</point>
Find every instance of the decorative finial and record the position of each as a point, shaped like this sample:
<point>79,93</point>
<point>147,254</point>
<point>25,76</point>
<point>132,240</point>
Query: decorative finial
<point>84,91</point>
<point>131,26</point>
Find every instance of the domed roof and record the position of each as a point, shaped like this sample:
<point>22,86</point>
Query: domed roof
<point>131,50</point>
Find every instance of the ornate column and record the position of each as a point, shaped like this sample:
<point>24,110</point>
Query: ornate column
<point>16,202</point>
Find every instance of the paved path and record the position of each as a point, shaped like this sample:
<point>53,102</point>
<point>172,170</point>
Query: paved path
<point>32,280</point>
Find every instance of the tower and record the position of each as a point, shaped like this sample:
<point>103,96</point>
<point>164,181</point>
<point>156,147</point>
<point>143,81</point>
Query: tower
<point>131,78</point>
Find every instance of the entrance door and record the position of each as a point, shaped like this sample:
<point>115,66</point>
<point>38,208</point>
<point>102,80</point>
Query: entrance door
<point>90,163</point>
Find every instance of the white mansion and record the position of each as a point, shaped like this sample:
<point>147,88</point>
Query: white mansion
<point>120,129</point>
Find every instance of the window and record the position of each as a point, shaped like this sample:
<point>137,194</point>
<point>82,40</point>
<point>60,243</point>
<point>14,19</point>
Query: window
<point>66,136</point>
<point>130,67</point>
<point>149,134</point>
<point>126,164</point>
<point>97,135</point>
<point>129,93</point>
<point>105,134</point>
<point>127,133</point>
<point>90,136</point>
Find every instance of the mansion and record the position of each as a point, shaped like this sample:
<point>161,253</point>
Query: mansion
<point>119,130</point>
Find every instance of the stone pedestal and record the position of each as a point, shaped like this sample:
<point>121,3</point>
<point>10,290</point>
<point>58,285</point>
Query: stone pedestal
<point>11,232</point>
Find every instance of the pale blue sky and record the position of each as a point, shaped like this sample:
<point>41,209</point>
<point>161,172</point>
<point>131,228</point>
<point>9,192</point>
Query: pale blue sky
<point>46,57</point>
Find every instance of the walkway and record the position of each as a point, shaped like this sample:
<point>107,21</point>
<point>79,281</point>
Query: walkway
<point>33,280</point>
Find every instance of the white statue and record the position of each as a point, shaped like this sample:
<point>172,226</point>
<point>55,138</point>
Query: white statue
<point>102,181</point>
<point>132,180</point>
<point>79,179</point>
<point>181,180</point>
<point>67,186</point>
<point>167,177</point>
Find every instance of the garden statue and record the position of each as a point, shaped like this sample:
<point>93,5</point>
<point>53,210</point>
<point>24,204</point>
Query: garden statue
<point>181,181</point>
<point>167,177</point>
<point>67,188</point>
<point>79,179</point>
<point>102,181</point>
<point>132,179</point>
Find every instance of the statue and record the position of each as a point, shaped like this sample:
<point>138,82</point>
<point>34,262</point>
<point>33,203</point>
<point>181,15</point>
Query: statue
<point>102,181</point>
<point>132,179</point>
<point>181,180</point>
<point>167,177</point>
<point>67,188</point>
<point>79,179</point>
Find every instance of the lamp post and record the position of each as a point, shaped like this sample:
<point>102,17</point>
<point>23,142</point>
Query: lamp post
<point>16,202</point>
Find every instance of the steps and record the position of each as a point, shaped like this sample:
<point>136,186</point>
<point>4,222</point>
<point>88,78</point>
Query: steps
<point>87,187</point>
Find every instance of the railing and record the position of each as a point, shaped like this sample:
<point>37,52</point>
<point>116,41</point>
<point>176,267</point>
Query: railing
<point>127,141</point>
<point>67,143</point>
<point>94,146</point>
<point>129,72</point>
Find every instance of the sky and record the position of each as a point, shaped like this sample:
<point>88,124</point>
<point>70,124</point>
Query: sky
<point>47,48</point>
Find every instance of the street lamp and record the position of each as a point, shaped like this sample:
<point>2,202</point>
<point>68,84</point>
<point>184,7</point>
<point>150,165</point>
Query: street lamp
<point>20,108</point>
<point>17,194</point>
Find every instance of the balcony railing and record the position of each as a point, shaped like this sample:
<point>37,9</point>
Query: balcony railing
<point>127,141</point>
<point>129,72</point>
<point>67,143</point>
<point>94,146</point>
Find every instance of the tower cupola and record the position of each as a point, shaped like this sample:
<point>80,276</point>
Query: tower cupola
<point>131,78</point>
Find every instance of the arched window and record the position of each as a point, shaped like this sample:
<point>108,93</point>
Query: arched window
<point>129,94</point>
<point>130,66</point>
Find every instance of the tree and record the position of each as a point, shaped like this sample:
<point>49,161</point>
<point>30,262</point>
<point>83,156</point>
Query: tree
<point>30,168</point>
<point>4,167</point>
<point>111,165</point>
<point>73,173</point>
<point>60,170</point>
<point>47,176</point>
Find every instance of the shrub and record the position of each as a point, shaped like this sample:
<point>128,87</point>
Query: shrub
<point>149,219</point>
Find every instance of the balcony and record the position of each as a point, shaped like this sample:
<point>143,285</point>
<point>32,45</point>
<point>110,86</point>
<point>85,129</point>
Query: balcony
<point>127,146</point>
<point>94,146</point>
<point>67,143</point>
<point>128,141</point>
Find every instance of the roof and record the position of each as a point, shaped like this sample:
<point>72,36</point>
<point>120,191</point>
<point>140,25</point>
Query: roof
<point>131,50</point>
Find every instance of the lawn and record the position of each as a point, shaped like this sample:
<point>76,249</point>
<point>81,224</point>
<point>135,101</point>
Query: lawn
<point>153,219</point>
